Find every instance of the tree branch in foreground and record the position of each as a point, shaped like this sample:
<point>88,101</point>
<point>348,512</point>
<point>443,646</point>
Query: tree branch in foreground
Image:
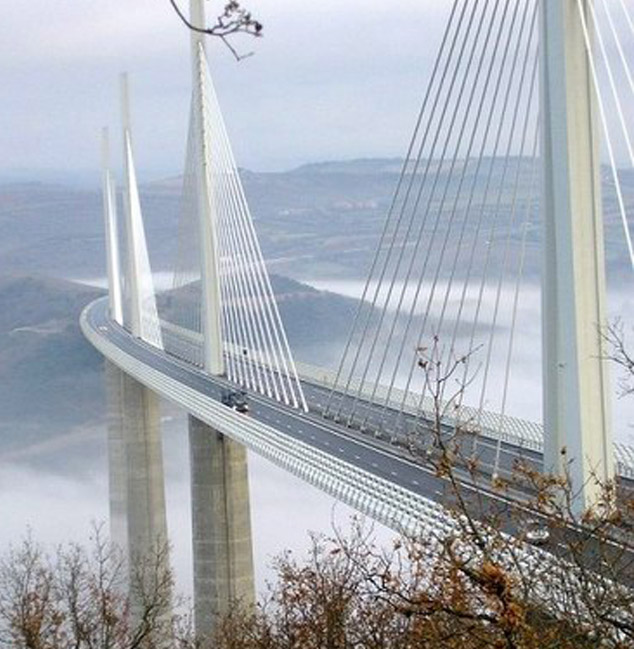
<point>233,20</point>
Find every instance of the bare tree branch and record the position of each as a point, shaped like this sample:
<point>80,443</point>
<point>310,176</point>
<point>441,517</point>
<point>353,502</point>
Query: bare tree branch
<point>233,20</point>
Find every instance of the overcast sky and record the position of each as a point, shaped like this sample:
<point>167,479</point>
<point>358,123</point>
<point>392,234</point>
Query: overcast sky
<point>329,79</point>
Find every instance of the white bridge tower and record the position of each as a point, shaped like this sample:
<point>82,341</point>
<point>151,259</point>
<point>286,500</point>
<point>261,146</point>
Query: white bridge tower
<point>576,388</point>
<point>208,219</point>
<point>221,520</point>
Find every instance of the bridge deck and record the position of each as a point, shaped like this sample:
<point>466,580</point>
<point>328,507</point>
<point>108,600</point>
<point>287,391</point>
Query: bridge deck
<point>377,478</point>
<point>519,437</point>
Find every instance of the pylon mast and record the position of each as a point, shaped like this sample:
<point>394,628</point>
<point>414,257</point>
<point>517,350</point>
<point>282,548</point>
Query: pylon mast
<point>211,305</point>
<point>575,381</point>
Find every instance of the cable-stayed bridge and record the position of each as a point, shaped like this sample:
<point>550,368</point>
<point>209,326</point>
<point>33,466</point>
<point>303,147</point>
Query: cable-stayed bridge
<point>524,99</point>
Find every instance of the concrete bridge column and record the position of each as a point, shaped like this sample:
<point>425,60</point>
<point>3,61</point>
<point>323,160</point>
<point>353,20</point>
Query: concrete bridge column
<point>223,554</point>
<point>117,459</point>
<point>137,491</point>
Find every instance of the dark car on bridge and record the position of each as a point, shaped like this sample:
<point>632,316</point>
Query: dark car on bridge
<point>235,399</point>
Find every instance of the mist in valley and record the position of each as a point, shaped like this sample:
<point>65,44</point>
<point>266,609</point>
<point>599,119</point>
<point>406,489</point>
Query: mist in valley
<point>319,225</point>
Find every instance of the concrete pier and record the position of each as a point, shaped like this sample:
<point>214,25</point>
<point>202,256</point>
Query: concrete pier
<point>137,491</point>
<point>117,459</point>
<point>223,554</point>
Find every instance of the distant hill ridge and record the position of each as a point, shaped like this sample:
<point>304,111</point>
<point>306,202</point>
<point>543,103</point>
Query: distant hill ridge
<point>320,221</point>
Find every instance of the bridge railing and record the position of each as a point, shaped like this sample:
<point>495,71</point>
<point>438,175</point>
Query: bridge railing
<point>510,429</point>
<point>516,431</point>
<point>186,344</point>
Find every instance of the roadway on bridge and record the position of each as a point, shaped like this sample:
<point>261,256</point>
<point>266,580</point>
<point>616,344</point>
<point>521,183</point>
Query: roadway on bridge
<point>364,452</point>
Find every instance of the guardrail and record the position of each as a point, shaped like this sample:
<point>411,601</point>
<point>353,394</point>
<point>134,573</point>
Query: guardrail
<point>513,430</point>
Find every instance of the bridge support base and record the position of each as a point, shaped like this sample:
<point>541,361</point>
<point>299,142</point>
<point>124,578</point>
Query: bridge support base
<point>137,491</point>
<point>223,554</point>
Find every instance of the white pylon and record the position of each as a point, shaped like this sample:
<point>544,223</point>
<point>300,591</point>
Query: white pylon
<point>112,235</point>
<point>144,321</point>
<point>577,424</point>
<point>211,307</point>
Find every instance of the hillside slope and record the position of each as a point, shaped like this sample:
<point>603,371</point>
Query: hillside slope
<point>51,379</point>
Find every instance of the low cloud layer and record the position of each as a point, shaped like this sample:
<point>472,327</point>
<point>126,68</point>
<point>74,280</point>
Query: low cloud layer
<point>61,506</point>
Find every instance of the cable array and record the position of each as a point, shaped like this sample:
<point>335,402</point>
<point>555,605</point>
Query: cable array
<point>256,350</point>
<point>181,306</point>
<point>453,238</point>
<point>598,47</point>
<point>141,295</point>
<point>451,264</point>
